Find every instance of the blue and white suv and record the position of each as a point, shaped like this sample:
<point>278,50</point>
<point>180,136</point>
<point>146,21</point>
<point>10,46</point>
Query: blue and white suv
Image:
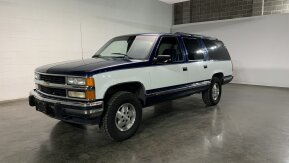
<point>128,73</point>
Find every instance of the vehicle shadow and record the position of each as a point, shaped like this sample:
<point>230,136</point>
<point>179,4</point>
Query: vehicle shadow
<point>185,122</point>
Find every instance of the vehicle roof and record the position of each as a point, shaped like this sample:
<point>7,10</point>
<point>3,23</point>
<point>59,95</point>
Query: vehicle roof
<point>174,34</point>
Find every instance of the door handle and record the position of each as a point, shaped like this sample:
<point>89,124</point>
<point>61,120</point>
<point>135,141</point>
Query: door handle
<point>205,66</point>
<point>185,69</point>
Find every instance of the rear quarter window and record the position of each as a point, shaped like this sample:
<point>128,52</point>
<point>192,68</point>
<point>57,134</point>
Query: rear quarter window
<point>216,50</point>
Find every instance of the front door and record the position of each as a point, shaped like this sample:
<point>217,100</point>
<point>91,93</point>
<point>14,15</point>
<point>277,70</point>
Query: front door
<point>169,73</point>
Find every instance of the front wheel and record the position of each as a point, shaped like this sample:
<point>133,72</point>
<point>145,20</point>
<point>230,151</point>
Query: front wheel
<point>212,95</point>
<point>122,117</point>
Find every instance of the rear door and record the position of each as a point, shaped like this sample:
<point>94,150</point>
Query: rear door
<point>197,66</point>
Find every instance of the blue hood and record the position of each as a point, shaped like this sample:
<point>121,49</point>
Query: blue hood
<point>89,67</point>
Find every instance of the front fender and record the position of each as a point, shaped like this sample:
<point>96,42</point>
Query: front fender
<point>106,80</point>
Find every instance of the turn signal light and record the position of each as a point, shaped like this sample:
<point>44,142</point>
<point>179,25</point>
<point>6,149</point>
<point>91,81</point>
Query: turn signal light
<point>90,82</point>
<point>90,95</point>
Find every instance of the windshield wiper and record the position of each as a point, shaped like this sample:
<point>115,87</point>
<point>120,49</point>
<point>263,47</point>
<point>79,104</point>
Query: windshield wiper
<point>96,56</point>
<point>119,54</point>
<point>124,55</point>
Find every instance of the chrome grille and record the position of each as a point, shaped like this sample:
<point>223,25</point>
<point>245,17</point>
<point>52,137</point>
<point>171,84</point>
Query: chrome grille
<point>53,79</point>
<point>52,91</point>
<point>55,86</point>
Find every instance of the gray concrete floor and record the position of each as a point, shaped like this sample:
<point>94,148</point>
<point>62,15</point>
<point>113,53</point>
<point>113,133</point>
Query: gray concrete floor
<point>250,124</point>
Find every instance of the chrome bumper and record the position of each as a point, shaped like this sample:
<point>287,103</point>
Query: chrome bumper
<point>63,102</point>
<point>71,111</point>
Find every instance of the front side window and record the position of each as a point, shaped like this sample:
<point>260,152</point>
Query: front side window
<point>133,47</point>
<point>195,51</point>
<point>169,51</point>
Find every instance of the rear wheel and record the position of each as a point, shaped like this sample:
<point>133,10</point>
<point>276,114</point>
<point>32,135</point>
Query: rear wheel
<point>122,117</point>
<point>212,95</point>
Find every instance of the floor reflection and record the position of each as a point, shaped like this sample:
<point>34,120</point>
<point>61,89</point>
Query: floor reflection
<point>250,124</point>
<point>213,138</point>
<point>168,130</point>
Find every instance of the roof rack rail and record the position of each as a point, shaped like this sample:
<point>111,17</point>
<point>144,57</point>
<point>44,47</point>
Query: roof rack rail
<point>195,35</point>
<point>182,33</point>
<point>189,34</point>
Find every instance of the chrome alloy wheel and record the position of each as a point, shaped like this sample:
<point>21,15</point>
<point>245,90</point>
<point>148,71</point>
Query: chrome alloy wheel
<point>215,91</point>
<point>125,117</point>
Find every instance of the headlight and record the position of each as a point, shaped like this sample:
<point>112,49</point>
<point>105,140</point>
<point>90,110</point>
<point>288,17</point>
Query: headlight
<point>80,81</point>
<point>76,94</point>
<point>89,95</point>
<point>76,81</point>
<point>36,76</point>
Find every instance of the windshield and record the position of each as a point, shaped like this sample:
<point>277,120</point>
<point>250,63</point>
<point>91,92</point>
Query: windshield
<point>133,47</point>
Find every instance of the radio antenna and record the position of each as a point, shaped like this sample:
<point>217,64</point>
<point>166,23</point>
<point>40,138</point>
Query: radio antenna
<point>81,41</point>
<point>80,29</point>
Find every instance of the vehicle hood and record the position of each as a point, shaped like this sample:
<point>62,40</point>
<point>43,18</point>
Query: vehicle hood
<point>89,67</point>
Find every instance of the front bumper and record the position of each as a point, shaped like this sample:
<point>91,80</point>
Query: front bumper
<point>70,111</point>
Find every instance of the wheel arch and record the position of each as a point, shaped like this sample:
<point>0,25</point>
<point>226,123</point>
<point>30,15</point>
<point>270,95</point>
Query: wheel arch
<point>134,87</point>
<point>219,75</point>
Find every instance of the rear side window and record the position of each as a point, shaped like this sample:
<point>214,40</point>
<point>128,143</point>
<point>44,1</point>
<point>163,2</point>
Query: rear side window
<point>195,52</point>
<point>217,50</point>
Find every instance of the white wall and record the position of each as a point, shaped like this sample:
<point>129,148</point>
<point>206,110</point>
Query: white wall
<point>38,32</point>
<point>259,47</point>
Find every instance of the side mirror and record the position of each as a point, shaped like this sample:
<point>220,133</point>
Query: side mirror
<point>162,59</point>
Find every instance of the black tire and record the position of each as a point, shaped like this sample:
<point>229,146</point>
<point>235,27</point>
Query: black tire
<point>207,95</point>
<point>109,126</point>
